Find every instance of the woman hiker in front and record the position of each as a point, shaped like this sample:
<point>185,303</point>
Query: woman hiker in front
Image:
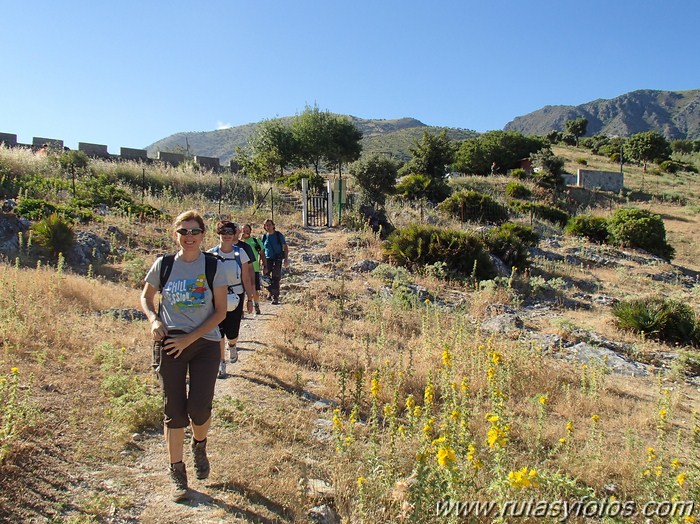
<point>187,322</point>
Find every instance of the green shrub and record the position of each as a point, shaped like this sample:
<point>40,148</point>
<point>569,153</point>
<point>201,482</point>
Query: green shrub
<point>665,320</point>
<point>593,228</point>
<point>54,233</point>
<point>673,166</point>
<point>582,161</point>
<point>520,174</point>
<point>541,211</point>
<point>417,186</point>
<point>468,205</point>
<point>509,242</point>
<point>642,229</point>
<point>418,246</point>
<point>517,190</point>
<point>34,208</point>
<point>293,181</point>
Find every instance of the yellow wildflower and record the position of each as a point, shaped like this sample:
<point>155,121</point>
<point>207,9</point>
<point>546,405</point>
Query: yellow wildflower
<point>388,410</point>
<point>492,418</point>
<point>401,430</point>
<point>375,387</point>
<point>562,441</point>
<point>496,358</point>
<point>569,427</point>
<point>417,411</point>
<point>429,394</point>
<point>523,478</point>
<point>662,414</point>
<point>495,436</point>
<point>490,373</point>
<point>14,370</point>
<point>647,472</point>
<point>465,385</point>
<point>360,481</point>
<point>658,470</point>
<point>410,403</point>
<point>337,421</point>
<point>446,358</point>
<point>455,414</point>
<point>688,518</point>
<point>680,479</point>
<point>543,399</point>
<point>675,463</point>
<point>353,418</point>
<point>595,418</point>
<point>439,440</point>
<point>446,456</point>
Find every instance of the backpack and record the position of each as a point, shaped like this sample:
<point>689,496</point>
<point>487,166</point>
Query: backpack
<point>210,262</point>
<point>278,251</point>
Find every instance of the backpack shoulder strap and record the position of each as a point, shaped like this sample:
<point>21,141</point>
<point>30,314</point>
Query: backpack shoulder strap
<point>211,262</point>
<point>166,266</point>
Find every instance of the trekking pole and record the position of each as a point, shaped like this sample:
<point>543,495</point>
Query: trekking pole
<point>262,200</point>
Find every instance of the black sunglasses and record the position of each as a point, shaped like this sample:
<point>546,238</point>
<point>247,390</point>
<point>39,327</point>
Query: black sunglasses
<point>194,231</point>
<point>227,231</point>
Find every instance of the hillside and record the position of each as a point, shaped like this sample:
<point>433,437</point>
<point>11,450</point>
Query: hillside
<point>676,114</point>
<point>393,136</point>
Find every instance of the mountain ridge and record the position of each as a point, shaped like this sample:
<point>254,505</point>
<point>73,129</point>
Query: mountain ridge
<point>675,114</point>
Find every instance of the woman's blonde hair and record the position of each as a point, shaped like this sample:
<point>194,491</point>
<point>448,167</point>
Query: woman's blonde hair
<point>189,215</point>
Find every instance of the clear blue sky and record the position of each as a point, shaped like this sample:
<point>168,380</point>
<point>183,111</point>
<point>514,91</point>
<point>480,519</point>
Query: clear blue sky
<point>129,73</point>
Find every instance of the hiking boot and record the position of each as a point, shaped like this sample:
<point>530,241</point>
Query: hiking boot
<point>232,354</point>
<point>222,369</point>
<point>257,308</point>
<point>178,475</point>
<point>275,301</point>
<point>201,462</point>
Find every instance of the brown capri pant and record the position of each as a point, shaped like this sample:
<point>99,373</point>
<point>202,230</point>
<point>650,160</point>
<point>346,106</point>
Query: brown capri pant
<point>183,404</point>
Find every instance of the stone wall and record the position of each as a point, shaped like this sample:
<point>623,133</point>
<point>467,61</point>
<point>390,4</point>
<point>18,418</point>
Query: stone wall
<point>125,153</point>
<point>94,150</point>
<point>603,180</point>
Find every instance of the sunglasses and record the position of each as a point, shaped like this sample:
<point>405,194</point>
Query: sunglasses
<point>192,232</point>
<point>227,231</point>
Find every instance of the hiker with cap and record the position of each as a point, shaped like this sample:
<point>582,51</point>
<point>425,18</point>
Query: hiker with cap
<point>185,328</point>
<point>277,254</point>
<point>239,276</point>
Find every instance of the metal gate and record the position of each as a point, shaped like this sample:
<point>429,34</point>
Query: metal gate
<point>317,209</point>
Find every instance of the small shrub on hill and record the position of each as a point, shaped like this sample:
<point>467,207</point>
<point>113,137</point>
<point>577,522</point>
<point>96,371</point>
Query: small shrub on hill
<point>293,181</point>
<point>520,174</point>
<point>517,190</point>
<point>541,211</point>
<point>54,233</point>
<point>593,228</point>
<point>418,186</point>
<point>642,229</point>
<point>665,320</point>
<point>463,253</point>
<point>34,208</point>
<point>469,205</point>
<point>509,242</point>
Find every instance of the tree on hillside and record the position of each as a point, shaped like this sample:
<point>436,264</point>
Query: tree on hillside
<point>505,148</point>
<point>431,156</point>
<point>646,147</point>
<point>310,131</point>
<point>550,170</point>
<point>376,176</point>
<point>343,141</point>
<point>576,127</point>
<point>273,145</point>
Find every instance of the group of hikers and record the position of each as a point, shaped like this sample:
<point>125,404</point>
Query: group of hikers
<point>203,295</point>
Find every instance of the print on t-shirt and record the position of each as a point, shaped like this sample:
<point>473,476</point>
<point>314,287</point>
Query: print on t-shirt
<point>187,293</point>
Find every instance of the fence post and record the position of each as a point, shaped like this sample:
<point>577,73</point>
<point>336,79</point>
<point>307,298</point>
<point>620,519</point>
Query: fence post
<point>329,208</point>
<point>304,202</point>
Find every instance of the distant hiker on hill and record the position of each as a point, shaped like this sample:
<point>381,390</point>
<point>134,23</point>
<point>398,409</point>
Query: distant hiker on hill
<point>276,253</point>
<point>238,273</point>
<point>259,262</point>
<point>193,303</point>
